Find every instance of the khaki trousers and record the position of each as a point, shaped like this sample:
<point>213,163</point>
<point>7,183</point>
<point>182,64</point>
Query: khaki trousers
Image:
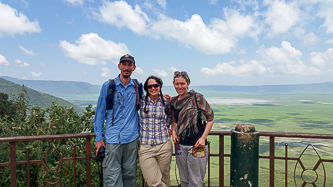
<point>155,163</point>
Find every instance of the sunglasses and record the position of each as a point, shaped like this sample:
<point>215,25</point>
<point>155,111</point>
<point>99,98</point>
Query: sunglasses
<point>183,73</point>
<point>153,85</point>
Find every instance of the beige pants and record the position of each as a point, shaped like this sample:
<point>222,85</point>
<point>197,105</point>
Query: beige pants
<point>155,163</point>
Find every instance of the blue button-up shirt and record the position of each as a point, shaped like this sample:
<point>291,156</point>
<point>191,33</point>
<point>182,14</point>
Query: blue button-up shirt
<point>125,127</point>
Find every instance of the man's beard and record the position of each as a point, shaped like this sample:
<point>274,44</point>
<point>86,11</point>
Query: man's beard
<point>126,76</point>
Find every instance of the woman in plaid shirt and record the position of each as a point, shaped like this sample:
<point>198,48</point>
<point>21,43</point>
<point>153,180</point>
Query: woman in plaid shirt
<point>155,146</point>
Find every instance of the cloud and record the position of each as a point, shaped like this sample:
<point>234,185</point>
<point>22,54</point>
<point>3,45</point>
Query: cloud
<point>321,59</point>
<point>27,52</point>
<point>13,22</point>
<point>217,38</point>
<point>75,2</point>
<point>21,64</point>
<point>36,74</point>
<point>3,61</point>
<point>281,16</point>
<point>121,14</point>
<point>162,3</point>
<point>325,11</point>
<point>139,70</point>
<point>285,60</point>
<point>213,2</point>
<point>173,69</point>
<point>272,61</point>
<point>161,73</point>
<point>92,50</point>
<point>106,72</point>
<point>244,70</point>
<point>311,39</point>
<point>330,41</point>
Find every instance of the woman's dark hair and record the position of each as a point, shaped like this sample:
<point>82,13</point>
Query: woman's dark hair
<point>145,87</point>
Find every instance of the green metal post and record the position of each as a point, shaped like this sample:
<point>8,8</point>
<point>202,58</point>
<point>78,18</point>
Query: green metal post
<point>244,162</point>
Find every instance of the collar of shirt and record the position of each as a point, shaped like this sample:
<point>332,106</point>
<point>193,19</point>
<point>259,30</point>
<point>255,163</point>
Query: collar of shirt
<point>157,100</point>
<point>118,82</point>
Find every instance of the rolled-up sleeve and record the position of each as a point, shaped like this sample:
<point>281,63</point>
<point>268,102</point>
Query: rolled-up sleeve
<point>100,113</point>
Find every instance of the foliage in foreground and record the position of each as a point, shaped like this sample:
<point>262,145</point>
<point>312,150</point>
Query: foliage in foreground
<point>36,121</point>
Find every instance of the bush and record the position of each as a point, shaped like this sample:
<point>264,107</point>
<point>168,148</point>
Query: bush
<point>35,121</point>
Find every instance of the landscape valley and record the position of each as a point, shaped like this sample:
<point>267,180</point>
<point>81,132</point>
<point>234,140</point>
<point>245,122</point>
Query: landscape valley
<point>272,108</point>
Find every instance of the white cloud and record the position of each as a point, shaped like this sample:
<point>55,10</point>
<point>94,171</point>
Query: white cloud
<point>21,64</point>
<point>213,2</point>
<point>139,70</point>
<point>75,2</point>
<point>92,50</point>
<point>13,22</point>
<point>325,11</point>
<point>106,72</point>
<point>217,38</point>
<point>330,41</point>
<point>244,70</point>
<point>41,65</point>
<point>173,69</point>
<point>121,14</point>
<point>161,73</point>
<point>36,74</point>
<point>311,39</point>
<point>285,60</point>
<point>281,16</point>
<point>26,51</point>
<point>162,3</point>
<point>321,59</point>
<point>244,3</point>
<point>3,61</point>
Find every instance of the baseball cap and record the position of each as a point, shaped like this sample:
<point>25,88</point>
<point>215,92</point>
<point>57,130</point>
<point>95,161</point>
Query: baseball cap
<point>127,57</point>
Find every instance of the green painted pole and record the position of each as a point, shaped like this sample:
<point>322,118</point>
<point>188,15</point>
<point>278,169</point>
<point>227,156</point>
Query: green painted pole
<point>244,162</point>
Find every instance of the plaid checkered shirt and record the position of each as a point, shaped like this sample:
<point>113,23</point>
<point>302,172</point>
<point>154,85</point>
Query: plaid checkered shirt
<point>154,125</point>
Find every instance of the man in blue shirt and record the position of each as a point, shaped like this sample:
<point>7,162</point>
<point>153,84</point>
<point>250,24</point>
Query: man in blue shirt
<point>119,164</point>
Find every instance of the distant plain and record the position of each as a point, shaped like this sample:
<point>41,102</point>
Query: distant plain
<point>270,112</point>
<point>279,108</point>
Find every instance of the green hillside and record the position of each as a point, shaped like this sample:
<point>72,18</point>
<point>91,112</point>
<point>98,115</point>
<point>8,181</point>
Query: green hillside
<point>58,88</point>
<point>40,99</point>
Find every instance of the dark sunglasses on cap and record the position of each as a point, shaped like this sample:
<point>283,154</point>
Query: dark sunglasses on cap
<point>183,73</point>
<point>152,85</point>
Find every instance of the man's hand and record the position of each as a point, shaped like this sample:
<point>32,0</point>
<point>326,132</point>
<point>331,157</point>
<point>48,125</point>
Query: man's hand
<point>99,145</point>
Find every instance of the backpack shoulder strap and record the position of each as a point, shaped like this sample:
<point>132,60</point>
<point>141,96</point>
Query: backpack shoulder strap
<point>139,90</point>
<point>110,94</point>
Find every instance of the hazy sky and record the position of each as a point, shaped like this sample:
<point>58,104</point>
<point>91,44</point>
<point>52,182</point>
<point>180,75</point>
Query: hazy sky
<point>236,42</point>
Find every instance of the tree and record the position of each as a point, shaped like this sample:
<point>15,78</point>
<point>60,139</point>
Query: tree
<point>7,108</point>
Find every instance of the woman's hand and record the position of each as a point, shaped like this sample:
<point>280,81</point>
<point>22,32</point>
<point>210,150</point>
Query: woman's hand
<point>169,132</point>
<point>174,137</point>
<point>200,143</point>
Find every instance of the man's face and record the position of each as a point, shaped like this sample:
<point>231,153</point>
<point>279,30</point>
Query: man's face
<point>126,68</point>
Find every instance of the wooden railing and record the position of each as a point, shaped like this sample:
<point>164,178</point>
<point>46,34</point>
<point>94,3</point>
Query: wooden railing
<point>12,163</point>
